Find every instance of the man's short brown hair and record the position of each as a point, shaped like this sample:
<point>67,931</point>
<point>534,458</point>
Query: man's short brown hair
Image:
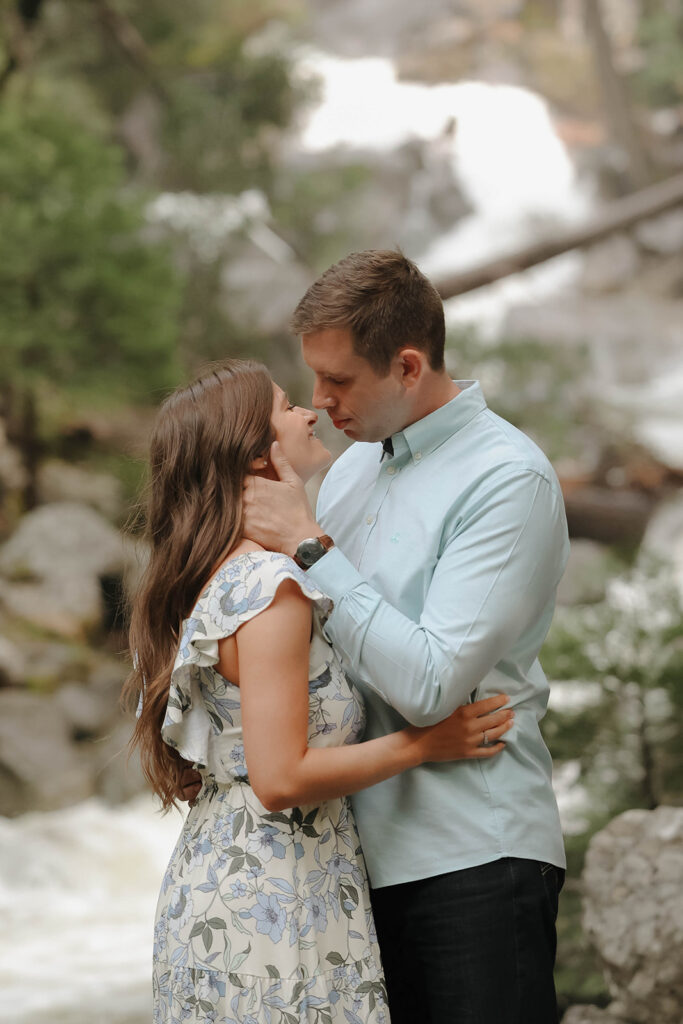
<point>385,302</point>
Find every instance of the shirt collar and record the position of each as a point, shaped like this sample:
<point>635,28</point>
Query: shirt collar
<point>423,436</point>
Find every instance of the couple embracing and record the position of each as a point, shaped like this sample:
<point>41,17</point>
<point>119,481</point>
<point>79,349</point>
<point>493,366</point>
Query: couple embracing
<point>384,647</point>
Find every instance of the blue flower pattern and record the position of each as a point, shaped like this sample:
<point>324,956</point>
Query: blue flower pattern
<point>263,917</point>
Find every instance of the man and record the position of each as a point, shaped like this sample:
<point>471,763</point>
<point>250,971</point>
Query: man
<point>441,537</point>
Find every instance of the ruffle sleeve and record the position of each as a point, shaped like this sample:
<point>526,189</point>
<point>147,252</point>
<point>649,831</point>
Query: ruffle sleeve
<point>202,720</point>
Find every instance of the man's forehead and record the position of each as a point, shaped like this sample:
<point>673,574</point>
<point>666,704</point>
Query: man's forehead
<point>331,351</point>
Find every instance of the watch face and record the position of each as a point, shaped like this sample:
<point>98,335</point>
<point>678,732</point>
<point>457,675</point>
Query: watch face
<point>309,551</point>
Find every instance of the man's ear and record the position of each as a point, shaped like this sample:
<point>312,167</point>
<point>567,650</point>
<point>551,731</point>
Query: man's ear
<point>411,364</point>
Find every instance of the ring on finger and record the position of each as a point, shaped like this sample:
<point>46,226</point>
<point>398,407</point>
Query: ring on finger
<point>484,740</point>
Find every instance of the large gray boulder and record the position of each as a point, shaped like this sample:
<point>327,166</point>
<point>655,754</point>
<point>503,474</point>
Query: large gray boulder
<point>40,767</point>
<point>60,481</point>
<point>633,912</point>
<point>58,565</point>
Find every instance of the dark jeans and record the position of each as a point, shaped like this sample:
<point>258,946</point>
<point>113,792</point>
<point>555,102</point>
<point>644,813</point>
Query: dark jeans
<point>471,947</point>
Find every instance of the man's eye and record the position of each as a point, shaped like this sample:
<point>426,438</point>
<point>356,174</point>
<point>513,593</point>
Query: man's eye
<point>338,382</point>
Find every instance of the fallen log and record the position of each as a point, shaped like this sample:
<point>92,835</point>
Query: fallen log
<point>615,216</point>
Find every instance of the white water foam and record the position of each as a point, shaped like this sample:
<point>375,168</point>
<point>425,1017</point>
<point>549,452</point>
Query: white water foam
<point>78,890</point>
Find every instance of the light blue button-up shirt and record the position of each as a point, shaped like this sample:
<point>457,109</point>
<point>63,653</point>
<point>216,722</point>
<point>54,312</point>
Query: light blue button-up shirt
<point>447,559</point>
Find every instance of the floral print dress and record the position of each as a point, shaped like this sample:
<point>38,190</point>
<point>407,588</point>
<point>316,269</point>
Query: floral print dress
<point>263,917</point>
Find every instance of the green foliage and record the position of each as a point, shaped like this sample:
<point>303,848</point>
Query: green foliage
<point>659,82</point>
<point>85,298</point>
<point>625,654</point>
<point>631,644</point>
<point>206,92</point>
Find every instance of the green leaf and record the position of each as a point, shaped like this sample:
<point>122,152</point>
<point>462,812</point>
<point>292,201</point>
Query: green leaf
<point>197,929</point>
<point>236,865</point>
<point>298,989</point>
<point>277,816</point>
<point>364,987</point>
<point>335,958</point>
<point>217,922</point>
<point>272,971</point>
<point>207,938</point>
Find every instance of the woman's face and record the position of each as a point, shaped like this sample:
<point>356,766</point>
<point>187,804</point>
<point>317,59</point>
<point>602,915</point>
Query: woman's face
<point>294,432</point>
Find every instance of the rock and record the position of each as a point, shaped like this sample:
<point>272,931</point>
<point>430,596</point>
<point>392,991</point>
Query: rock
<point>40,769</point>
<point>633,912</point>
<point>254,273</point>
<point>12,663</point>
<point>49,663</point>
<point>609,264</point>
<point>64,570</point>
<point>71,607</point>
<point>12,473</point>
<point>612,328</point>
<point>87,711</point>
<point>590,1015</point>
<point>609,515</point>
<point>62,481</point>
<point>662,235</point>
<point>589,567</point>
<point>118,774</point>
<point>58,539</point>
<point>664,536</point>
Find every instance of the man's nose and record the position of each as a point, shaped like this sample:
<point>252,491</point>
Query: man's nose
<point>320,399</point>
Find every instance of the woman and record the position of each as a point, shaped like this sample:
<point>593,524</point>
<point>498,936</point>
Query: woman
<point>264,913</point>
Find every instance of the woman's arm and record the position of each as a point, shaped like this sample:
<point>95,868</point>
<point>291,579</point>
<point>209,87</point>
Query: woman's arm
<point>273,653</point>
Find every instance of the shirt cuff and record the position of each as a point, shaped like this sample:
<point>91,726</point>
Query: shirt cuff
<point>334,575</point>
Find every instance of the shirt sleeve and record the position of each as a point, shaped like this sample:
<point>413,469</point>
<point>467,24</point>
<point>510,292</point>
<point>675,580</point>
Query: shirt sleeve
<point>497,574</point>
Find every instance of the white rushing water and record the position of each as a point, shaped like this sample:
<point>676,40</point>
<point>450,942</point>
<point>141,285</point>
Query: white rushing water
<point>78,890</point>
<point>504,152</point>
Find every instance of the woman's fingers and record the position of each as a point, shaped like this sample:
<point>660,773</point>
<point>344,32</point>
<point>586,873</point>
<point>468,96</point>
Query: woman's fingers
<point>482,752</point>
<point>486,706</point>
<point>489,722</point>
<point>488,740</point>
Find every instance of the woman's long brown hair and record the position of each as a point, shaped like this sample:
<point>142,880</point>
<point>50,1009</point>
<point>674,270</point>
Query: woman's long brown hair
<point>203,442</point>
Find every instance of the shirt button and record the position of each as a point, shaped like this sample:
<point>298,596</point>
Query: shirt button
<point>370,520</point>
<point>417,456</point>
<point>391,470</point>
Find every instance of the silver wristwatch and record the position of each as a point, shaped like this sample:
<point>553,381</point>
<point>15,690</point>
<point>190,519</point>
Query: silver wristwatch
<point>311,549</point>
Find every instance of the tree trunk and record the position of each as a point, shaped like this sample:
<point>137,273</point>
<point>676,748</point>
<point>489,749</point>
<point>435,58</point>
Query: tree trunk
<point>20,412</point>
<point>616,101</point>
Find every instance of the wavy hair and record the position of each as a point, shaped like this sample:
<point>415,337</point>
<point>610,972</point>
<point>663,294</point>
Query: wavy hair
<point>203,441</point>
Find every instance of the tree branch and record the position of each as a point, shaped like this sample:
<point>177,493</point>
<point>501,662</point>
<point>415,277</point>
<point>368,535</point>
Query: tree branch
<point>615,216</point>
<point>128,40</point>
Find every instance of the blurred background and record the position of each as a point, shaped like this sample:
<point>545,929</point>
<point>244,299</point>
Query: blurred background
<point>172,178</point>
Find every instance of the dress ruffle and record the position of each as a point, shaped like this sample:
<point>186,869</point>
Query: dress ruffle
<point>353,992</point>
<point>199,700</point>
